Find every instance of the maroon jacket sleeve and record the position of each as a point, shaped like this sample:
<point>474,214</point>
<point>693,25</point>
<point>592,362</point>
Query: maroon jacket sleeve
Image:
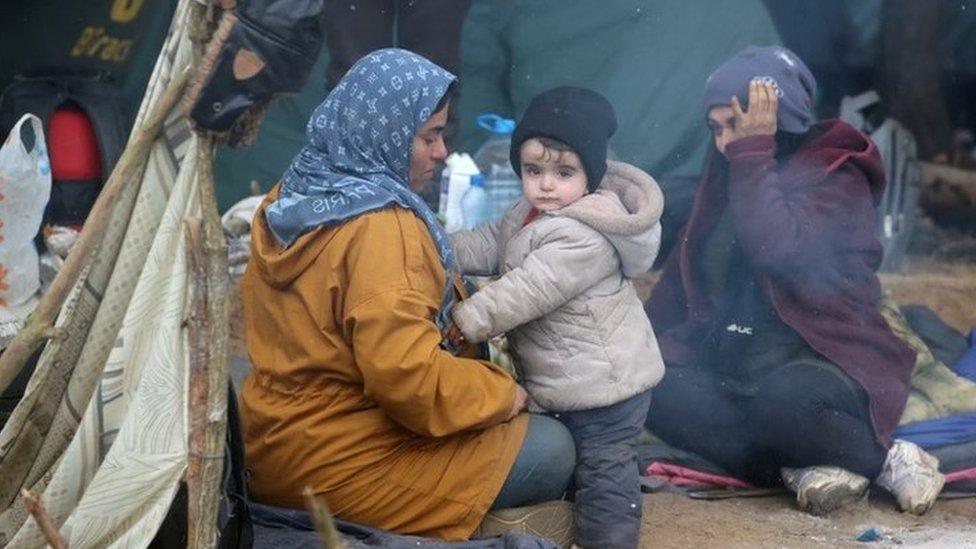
<point>785,225</point>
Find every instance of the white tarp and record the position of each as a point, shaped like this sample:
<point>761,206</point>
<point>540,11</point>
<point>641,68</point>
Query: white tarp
<point>103,419</point>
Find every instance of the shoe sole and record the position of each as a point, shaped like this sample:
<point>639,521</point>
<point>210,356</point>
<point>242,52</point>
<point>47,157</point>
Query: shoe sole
<point>551,520</point>
<point>823,501</point>
<point>920,509</point>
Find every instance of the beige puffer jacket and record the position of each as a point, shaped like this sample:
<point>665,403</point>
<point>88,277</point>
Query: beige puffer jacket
<point>565,298</point>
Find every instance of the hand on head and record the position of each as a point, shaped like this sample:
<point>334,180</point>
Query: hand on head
<point>760,119</point>
<point>781,94</point>
<point>730,122</point>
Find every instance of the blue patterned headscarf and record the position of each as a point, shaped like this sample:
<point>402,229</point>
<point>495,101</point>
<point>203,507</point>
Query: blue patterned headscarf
<point>357,153</point>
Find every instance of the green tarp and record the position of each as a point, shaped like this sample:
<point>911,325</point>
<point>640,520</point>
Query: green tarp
<point>650,59</point>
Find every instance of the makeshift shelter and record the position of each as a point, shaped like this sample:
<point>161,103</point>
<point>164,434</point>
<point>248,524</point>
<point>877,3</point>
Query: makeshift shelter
<point>103,433</point>
<point>635,52</point>
<point>121,38</point>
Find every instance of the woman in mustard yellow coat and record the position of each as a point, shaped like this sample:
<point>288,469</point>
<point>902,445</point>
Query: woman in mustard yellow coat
<point>345,299</point>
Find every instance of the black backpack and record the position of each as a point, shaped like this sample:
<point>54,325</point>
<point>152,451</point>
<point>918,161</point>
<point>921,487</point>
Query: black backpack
<point>41,92</point>
<point>279,40</point>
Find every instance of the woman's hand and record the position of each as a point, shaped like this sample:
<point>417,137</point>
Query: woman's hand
<point>521,401</point>
<point>454,336</point>
<point>760,119</point>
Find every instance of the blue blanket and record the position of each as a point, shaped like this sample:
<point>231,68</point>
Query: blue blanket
<point>950,430</point>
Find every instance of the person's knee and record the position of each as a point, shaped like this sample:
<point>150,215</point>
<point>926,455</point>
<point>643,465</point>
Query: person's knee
<point>552,439</point>
<point>544,465</point>
<point>801,388</point>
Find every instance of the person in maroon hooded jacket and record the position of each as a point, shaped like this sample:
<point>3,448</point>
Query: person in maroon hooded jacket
<point>780,367</point>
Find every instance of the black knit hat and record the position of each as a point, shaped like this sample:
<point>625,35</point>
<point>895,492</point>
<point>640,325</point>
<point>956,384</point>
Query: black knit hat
<point>580,118</point>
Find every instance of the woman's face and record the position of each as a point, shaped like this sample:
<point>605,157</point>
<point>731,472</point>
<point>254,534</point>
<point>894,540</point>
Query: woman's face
<point>721,121</point>
<point>428,149</point>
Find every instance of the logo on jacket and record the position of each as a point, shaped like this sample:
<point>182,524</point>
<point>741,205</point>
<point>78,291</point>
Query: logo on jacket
<point>736,329</point>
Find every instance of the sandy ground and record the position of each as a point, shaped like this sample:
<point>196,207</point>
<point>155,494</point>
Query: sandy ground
<point>949,289</point>
<point>672,520</point>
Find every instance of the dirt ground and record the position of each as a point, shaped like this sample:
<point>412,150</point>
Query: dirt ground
<point>947,288</point>
<point>672,520</point>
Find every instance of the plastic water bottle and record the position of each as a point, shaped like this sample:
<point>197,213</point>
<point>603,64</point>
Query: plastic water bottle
<point>460,168</point>
<point>502,184</point>
<point>474,205</point>
<point>445,185</point>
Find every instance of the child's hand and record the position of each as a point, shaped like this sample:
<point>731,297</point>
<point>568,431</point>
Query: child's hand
<point>454,336</point>
<point>521,401</point>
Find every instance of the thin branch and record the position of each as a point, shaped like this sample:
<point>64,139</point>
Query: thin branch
<point>201,532</point>
<point>36,509</point>
<point>322,518</point>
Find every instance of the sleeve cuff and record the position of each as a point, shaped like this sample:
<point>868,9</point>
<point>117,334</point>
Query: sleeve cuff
<point>464,316</point>
<point>755,145</point>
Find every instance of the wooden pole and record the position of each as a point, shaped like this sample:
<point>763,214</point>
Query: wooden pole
<point>209,377</point>
<point>130,167</point>
<point>209,395</point>
<point>199,353</point>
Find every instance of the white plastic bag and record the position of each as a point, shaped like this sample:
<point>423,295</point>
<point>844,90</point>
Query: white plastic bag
<point>25,187</point>
<point>237,225</point>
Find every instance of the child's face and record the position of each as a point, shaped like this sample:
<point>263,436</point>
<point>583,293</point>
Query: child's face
<point>551,179</point>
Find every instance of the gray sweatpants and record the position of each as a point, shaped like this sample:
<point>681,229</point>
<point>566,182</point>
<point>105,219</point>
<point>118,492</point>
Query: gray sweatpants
<point>608,496</point>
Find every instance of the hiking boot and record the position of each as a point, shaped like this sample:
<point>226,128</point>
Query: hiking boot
<point>822,488</point>
<point>912,475</point>
<point>551,520</point>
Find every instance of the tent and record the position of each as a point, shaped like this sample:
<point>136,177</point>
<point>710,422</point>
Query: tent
<point>650,59</point>
<point>119,37</point>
